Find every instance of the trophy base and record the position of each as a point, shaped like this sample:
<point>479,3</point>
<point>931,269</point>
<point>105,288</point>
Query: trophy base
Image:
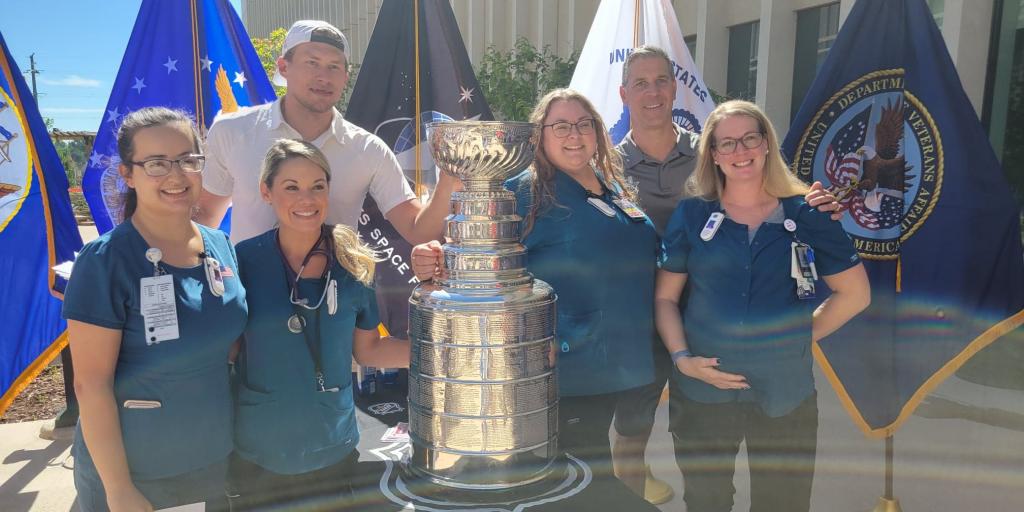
<point>566,476</point>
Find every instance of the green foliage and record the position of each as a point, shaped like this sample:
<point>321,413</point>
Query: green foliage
<point>268,50</point>
<point>513,80</point>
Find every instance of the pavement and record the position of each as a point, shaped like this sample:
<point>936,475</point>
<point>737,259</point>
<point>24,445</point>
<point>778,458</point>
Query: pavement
<point>963,450</point>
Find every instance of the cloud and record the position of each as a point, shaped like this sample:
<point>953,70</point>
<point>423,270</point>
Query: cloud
<point>70,110</point>
<point>73,81</point>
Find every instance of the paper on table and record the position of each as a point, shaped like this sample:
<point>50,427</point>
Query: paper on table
<point>191,507</point>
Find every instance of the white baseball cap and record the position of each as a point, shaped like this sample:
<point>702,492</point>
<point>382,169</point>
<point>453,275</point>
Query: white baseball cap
<point>311,31</point>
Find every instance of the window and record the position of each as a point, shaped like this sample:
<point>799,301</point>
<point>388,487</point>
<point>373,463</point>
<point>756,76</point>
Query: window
<point>938,8</point>
<point>691,45</point>
<point>1003,112</point>
<point>741,80</point>
<point>816,30</point>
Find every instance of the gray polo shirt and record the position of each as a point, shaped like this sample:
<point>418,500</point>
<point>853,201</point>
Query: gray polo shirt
<point>660,183</point>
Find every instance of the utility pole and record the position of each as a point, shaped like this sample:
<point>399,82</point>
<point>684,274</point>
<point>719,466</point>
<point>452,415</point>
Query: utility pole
<point>33,71</point>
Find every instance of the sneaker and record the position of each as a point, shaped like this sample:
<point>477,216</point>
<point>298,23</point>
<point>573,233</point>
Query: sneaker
<point>657,492</point>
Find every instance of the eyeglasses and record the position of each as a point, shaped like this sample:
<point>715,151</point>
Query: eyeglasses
<point>749,140</point>
<point>562,129</point>
<point>156,167</point>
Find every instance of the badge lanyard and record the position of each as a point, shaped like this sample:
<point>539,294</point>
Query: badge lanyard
<point>296,322</point>
<point>801,267</point>
<point>157,297</point>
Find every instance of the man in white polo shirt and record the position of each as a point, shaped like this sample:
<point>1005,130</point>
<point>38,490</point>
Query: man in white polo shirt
<point>314,66</point>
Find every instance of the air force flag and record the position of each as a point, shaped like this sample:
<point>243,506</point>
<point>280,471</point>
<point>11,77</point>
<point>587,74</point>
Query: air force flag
<point>192,55</point>
<point>620,26</point>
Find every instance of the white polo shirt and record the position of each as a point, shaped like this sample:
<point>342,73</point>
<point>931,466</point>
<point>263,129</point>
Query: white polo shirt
<point>360,162</point>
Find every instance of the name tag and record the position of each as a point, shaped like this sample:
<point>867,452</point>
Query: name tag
<point>630,209</point>
<point>159,311</point>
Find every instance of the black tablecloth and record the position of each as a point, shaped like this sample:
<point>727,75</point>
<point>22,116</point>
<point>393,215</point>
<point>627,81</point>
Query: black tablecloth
<point>382,484</point>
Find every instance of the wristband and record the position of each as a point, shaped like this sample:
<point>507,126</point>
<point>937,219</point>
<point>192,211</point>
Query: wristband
<point>679,354</point>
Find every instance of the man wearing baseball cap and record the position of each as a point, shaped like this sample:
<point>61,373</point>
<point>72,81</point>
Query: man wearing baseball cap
<point>314,66</point>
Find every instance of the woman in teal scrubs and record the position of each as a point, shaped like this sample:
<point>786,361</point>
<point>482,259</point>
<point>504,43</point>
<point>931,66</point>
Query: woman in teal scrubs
<point>588,240</point>
<point>312,308</point>
<point>153,307</point>
<point>748,252</point>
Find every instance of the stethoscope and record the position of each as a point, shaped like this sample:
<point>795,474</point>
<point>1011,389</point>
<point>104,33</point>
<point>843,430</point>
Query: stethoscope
<point>322,247</point>
<point>296,322</point>
<point>211,267</point>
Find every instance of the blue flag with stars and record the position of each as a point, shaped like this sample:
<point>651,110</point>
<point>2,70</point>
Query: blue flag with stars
<point>37,231</point>
<point>888,128</point>
<point>191,55</point>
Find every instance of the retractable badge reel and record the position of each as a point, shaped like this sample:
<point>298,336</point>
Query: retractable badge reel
<point>214,275</point>
<point>711,226</point>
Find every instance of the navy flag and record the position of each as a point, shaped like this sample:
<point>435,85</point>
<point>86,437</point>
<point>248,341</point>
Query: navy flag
<point>392,102</point>
<point>37,231</point>
<point>192,55</point>
<point>888,128</point>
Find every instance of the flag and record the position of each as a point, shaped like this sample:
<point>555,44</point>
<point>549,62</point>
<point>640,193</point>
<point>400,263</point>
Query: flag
<point>191,55</point>
<point>888,128</point>
<point>37,231</point>
<point>392,102</point>
<point>619,26</point>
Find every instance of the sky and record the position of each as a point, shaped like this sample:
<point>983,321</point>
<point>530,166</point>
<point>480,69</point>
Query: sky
<point>78,52</point>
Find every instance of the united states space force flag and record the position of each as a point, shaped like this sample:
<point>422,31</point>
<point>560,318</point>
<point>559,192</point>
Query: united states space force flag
<point>384,103</point>
<point>620,26</point>
<point>888,128</point>
<point>192,55</point>
<point>37,231</point>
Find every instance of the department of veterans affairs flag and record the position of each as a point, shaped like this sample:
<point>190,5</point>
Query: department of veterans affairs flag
<point>37,231</point>
<point>888,128</point>
<point>384,101</point>
<point>191,55</point>
<point>619,26</point>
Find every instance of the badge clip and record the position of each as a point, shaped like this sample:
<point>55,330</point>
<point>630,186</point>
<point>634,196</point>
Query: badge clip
<point>711,226</point>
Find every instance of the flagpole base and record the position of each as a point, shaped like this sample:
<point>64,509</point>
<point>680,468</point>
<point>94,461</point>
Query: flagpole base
<point>887,505</point>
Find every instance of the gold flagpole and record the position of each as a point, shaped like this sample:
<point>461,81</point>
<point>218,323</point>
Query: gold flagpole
<point>416,85</point>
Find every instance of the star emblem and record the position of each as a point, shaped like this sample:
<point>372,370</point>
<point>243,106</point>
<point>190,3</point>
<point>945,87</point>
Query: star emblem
<point>112,115</point>
<point>206,62</point>
<point>240,79</point>
<point>95,160</point>
<point>171,65</point>
<point>466,94</point>
<point>140,83</point>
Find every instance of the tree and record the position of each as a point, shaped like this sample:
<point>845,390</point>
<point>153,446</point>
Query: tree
<point>513,80</point>
<point>269,49</point>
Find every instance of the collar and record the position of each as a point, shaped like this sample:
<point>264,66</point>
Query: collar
<point>338,129</point>
<point>686,145</point>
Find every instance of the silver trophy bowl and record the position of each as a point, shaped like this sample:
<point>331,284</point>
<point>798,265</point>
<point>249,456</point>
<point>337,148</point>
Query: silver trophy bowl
<point>483,397</point>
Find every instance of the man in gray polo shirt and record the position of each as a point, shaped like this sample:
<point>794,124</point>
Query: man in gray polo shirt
<point>659,156</point>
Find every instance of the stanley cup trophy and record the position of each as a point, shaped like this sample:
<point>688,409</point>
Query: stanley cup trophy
<point>483,397</point>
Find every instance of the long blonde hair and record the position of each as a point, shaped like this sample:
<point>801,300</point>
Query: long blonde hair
<point>352,254</point>
<point>708,181</point>
<point>606,160</point>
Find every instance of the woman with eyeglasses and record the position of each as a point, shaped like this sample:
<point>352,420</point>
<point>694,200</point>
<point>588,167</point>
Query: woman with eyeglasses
<point>312,309</point>
<point>752,258</point>
<point>587,239</point>
<point>153,307</point>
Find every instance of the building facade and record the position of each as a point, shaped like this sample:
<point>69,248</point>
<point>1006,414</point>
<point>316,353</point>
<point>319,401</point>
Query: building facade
<point>764,50</point>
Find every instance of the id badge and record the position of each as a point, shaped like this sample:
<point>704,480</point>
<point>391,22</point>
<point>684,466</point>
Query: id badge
<point>215,276</point>
<point>802,270</point>
<point>601,206</point>
<point>159,310</point>
<point>630,209</point>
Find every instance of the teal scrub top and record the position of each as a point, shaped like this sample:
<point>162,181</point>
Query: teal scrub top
<point>282,422</point>
<point>188,376</point>
<point>602,269</point>
<point>741,304</point>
